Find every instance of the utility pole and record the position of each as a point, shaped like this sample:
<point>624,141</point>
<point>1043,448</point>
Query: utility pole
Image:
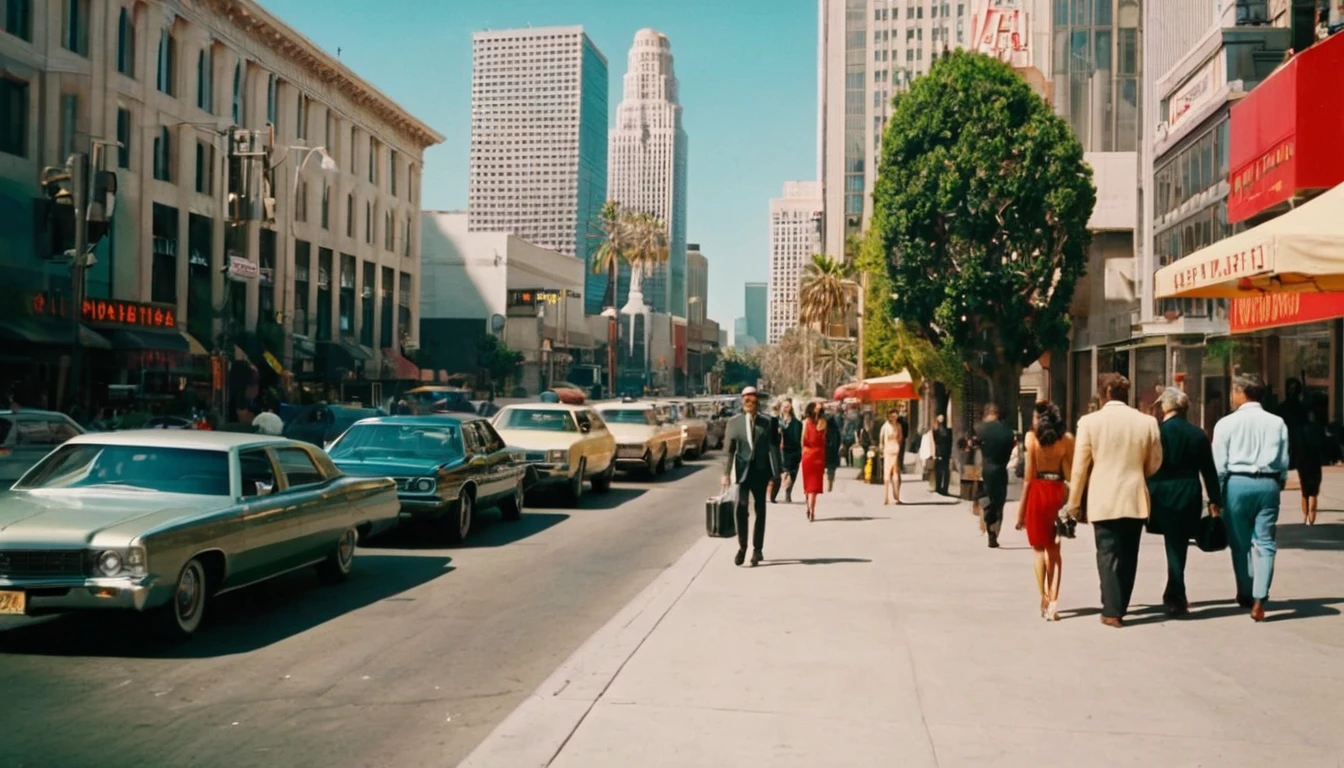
<point>77,167</point>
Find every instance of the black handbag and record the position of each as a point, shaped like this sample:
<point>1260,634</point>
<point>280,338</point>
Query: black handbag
<point>1211,535</point>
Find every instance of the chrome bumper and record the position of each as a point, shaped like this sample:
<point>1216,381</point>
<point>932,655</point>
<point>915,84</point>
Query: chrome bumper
<point>550,474</point>
<point>56,595</point>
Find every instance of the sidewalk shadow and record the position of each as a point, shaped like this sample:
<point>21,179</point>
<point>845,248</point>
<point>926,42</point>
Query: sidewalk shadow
<point>816,561</point>
<point>1321,537</point>
<point>1280,610</point>
<point>853,519</point>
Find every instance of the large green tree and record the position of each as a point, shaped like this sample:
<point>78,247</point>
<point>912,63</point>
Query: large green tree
<point>980,208</point>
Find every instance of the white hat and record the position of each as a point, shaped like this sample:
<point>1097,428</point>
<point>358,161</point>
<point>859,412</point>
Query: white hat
<point>748,391</point>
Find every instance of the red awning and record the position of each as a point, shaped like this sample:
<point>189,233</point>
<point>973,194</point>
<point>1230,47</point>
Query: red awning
<point>401,367</point>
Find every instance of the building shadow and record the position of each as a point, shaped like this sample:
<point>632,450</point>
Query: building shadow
<point>487,530</point>
<point>235,623</point>
<point>1320,537</point>
<point>613,498</point>
<point>815,561</point>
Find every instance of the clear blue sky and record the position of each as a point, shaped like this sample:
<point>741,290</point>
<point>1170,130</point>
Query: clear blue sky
<point>748,88</point>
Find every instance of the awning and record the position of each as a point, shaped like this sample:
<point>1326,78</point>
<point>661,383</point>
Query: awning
<point>402,368</point>
<point>304,348</point>
<point>898,386</point>
<point>1301,251</point>
<point>195,347</point>
<point>33,331</point>
<point>139,340</point>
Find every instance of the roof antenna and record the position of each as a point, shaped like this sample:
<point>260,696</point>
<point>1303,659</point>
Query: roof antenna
<point>338,52</point>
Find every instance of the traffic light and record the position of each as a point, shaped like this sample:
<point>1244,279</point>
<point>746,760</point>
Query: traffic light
<point>102,202</point>
<point>59,185</point>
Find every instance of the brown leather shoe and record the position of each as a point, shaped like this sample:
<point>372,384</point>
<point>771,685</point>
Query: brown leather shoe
<point>1112,621</point>
<point>1258,611</point>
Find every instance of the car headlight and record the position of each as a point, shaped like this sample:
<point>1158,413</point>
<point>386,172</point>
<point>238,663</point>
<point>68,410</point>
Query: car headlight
<point>558,456</point>
<point>109,563</point>
<point>114,562</point>
<point>422,485</point>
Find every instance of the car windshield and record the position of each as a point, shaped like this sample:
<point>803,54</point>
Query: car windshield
<point>440,442</point>
<point>132,467</point>
<point>626,416</point>
<point>543,420</point>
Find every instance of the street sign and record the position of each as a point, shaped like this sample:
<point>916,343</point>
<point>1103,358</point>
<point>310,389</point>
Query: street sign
<point>243,271</point>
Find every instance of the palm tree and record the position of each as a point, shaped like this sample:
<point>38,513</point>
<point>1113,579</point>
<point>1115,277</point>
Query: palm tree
<point>648,244</point>
<point>823,293</point>
<point>614,233</point>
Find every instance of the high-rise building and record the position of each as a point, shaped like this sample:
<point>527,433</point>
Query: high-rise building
<point>867,50</point>
<point>795,234</point>
<point>756,300</point>
<point>647,168</point>
<point>538,136</point>
<point>697,284</point>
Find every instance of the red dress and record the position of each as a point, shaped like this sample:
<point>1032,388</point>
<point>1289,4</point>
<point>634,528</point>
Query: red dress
<point>814,458</point>
<point>1046,495</point>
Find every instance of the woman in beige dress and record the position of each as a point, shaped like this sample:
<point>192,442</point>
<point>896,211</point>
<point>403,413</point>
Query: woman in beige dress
<point>891,438</point>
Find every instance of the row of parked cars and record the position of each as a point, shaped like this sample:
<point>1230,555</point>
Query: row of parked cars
<point>161,521</point>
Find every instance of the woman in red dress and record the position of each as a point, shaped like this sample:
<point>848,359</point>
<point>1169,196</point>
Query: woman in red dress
<point>814,456</point>
<point>1049,462</point>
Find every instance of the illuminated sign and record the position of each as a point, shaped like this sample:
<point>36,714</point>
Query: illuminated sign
<point>109,312</point>
<point>531,297</point>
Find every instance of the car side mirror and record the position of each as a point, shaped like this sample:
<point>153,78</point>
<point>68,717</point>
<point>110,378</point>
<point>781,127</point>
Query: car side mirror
<point>585,428</point>
<point>264,488</point>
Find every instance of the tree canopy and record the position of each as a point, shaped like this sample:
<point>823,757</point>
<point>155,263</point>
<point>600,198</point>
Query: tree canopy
<point>980,210</point>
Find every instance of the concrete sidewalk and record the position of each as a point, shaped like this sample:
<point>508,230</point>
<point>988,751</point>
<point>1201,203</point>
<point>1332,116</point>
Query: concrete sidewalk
<point>892,636</point>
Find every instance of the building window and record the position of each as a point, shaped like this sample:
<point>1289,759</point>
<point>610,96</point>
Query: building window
<point>352,149</point>
<point>301,201</point>
<point>124,138</point>
<point>326,206</point>
<point>163,270</point>
<point>406,243</point>
<point>373,161</point>
<point>302,117</point>
<point>75,27</point>
<point>69,121</point>
<point>389,231</point>
<point>167,67</point>
<point>368,222</point>
<point>205,168</point>
<point>272,105</point>
<point>238,99</point>
<point>13,117</point>
<point>125,43</point>
<point>19,19</point>
<point>350,215</point>
<point>163,154</point>
<point>392,171</point>
<point>205,77</point>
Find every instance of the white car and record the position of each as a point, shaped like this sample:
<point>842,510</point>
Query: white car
<point>566,445</point>
<point>644,439</point>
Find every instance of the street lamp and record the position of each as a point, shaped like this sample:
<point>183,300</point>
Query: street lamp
<point>328,165</point>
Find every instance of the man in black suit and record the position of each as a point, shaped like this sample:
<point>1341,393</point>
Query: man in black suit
<point>995,441</point>
<point>790,450</point>
<point>754,464</point>
<point>832,450</point>
<point>1175,493</point>
<point>942,456</point>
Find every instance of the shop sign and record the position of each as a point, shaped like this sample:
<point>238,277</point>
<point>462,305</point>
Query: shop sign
<point>1002,30</point>
<point>1212,270</point>
<point>1273,310</point>
<point>1189,98</point>
<point>1265,181</point>
<point>243,271</point>
<point>108,312</point>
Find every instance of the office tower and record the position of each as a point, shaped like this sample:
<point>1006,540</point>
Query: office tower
<point>697,284</point>
<point>755,298</point>
<point>538,137</point>
<point>795,234</point>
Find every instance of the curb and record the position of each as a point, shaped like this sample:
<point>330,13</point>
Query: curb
<point>534,733</point>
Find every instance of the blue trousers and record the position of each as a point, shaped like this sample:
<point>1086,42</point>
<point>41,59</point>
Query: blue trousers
<point>1252,519</point>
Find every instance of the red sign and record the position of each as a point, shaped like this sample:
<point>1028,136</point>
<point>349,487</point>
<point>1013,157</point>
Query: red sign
<point>1219,269</point>
<point>109,312</point>
<point>1274,310</point>
<point>1284,136</point>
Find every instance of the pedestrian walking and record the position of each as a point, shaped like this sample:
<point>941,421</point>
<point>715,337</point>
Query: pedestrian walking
<point>790,450</point>
<point>849,435</point>
<point>905,437</point>
<point>891,439</point>
<point>1175,492</point>
<point>942,456</point>
<point>1116,450</point>
<point>753,463</point>
<point>1312,448</point>
<point>1048,452</point>
<point>268,422</point>
<point>1250,453</point>
<point>995,441</point>
<point>833,449</point>
<point>813,460</point>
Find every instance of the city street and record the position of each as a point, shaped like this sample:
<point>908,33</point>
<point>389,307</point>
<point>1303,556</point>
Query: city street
<point>411,663</point>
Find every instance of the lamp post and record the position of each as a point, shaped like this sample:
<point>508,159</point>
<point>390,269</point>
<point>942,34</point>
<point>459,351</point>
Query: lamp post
<point>282,317</point>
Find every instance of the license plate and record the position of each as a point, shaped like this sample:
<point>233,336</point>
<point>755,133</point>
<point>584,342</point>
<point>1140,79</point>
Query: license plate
<point>13,602</point>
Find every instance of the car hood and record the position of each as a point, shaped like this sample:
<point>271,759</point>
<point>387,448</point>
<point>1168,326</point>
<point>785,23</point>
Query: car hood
<point>74,520</point>
<point>538,440</point>
<point>378,467</point>
<point>633,433</point>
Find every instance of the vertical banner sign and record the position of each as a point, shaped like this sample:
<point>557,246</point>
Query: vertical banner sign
<point>1002,29</point>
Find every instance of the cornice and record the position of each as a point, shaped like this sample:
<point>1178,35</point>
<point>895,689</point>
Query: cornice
<point>251,19</point>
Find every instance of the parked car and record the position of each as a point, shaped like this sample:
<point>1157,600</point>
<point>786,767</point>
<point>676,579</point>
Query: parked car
<point>439,399</point>
<point>162,521</point>
<point>694,431</point>
<point>446,467</point>
<point>322,423</point>
<point>27,435</point>
<point>715,417</point>
<point>644,439</point>
<point>170,422</point>
<point>565,444</point>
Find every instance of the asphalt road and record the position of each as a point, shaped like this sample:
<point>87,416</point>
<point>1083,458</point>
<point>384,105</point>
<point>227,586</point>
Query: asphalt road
<point>411,663</point>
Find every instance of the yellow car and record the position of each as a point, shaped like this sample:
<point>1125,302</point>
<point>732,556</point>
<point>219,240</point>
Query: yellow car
<point>645,439</point>
<point>566,445</point>
<point>694,430</point>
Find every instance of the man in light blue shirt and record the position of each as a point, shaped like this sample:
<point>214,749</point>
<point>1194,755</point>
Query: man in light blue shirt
<point>1250,453</point>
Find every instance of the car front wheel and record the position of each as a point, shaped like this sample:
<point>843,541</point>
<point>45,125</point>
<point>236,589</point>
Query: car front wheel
<point>181,616</point>
<point>455,523</point>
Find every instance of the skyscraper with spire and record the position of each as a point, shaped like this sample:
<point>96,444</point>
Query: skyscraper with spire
<point>646,169</point>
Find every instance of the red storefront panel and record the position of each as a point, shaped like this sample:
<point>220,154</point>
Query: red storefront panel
<point>1275,310</point>
<point>1285,136</point>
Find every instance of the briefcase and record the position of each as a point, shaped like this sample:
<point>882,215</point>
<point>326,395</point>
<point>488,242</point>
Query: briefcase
<point>721,514</point>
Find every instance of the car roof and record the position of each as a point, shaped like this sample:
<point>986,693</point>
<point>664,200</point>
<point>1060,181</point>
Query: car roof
<point>434,420</point>
<point>438,390</point>
<point>546,407</point>
<point>638,405</point>
<point>200,440</point>
<point>32,412</point>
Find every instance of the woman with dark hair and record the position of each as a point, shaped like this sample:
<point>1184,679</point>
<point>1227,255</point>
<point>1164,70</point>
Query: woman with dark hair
<point>813,461</point>
<point>1311,450</point>
<point>1049,450</point>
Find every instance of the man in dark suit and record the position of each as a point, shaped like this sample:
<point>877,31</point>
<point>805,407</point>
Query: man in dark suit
<point>832,450</point>
<point>1175,493</point>
<point>995,441</point>
<point>942,456</point>
<point>790,450</point>
<point>754,464</point>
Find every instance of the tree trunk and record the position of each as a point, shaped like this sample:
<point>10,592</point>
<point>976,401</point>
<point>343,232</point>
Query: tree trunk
<point>1005,387</point>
